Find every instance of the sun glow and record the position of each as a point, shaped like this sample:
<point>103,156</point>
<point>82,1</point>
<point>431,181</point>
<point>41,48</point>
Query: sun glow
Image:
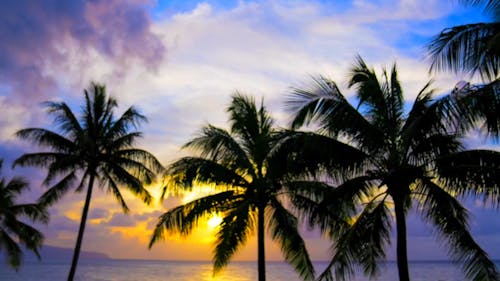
<point>196,193</point>
<point>214,221</point>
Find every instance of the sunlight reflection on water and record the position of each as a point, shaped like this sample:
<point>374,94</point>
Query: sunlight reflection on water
<point>141,270</point>
<point>183,271</point>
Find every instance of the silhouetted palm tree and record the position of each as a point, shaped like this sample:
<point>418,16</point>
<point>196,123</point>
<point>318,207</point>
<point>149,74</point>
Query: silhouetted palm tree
<point>248,169</point>
<point>475,107</point>
<point>94,147</point>
<point>14,231</point>
<point>472,48</point>
<point>412,159</point>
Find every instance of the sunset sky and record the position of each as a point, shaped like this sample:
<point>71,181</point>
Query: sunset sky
<point>179,62</point>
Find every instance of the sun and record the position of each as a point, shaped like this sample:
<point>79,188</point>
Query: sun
<point>214,221</point>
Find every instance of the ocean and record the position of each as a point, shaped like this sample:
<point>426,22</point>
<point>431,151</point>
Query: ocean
<point>145,270</point>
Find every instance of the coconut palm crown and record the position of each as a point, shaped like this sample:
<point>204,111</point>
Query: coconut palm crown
<point>13,230</point>
<point>413,159</point>
<point>249,168</point>
<point>92,147</point>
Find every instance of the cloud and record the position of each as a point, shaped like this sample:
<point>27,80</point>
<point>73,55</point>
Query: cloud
<point>121,220</point>
<point>14,117</point>
<point>98,213</point>
<point>261,48</point>
<point>37,36</point>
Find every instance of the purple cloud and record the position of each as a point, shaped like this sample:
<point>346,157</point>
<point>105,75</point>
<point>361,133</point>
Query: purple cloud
<point>119,219</point>
<point>98,213</point>
<point>35,35</point>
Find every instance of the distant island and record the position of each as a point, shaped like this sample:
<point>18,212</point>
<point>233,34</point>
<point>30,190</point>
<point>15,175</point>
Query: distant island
<point>60,253</point>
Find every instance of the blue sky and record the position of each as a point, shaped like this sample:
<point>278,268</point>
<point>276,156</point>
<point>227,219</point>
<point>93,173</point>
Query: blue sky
<point>179,62</point>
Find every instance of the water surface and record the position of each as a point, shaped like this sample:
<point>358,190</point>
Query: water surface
<point>144,270</point>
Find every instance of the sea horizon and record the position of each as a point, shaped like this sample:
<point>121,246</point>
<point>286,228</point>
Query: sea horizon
<point>202,270</point>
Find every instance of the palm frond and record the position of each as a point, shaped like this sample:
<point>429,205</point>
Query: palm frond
<point>13,251</point>
<point>246,120</point>
<point>308,105</point>
<point>252,127</point>
<point>188,170</point>
<point>324,104</point>
<point>467,48</point>
<point>114,189</point>
<point>420,106</point>
<point>35,212</point>
<point>118,174</point>
<point>424,117</point>
<point>55,192</point>
<point>475,172</point>
<point>15,186</point>
<point>487,105</point>
<point>139,163</point>
<point>146,159</point>
<point>64,118</point>
<point>124,140</point>
<point>426,149</point>
<point>333,206</point>
<point>237,224</point>
<point>130,118</point>
<point>39,159</point>
<point>62,166</point>
<point>98,109</point>
<point>450,219</point>
<point>184,218</point>
<point>220,146</point>
<point>305,153</point>
<point>284,228</point>
<point>490,6</point>
<point>327,217</point>
<point>478,105</point>
<point>369,91</point>
<point>363,243</point>
<point>305,198</point>
<point>394,100</point>
<point>29,236</point>
<point>46,138</point>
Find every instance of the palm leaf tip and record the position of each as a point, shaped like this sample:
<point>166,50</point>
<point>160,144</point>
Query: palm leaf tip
<point>233,232</point>
<point>284,227</point>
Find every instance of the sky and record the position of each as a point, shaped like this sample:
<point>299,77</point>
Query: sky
<point>179,62</point>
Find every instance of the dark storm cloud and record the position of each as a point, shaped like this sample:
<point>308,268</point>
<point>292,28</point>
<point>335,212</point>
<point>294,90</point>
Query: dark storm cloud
<point>37,34</point>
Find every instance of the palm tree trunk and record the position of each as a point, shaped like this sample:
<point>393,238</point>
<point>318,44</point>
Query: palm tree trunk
<point>401,247</point>
<point>79,239</point>
<point>261,258</point>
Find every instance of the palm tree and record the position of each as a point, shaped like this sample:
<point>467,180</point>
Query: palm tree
<point>413,159</point>
<point>249,171</point>
<point>10,225</point>
<point>471,48</point>
<point>94,147</point>
<point>474,48</point>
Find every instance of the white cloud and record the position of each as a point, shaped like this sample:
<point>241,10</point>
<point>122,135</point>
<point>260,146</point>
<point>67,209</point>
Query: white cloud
<point>14,116</point>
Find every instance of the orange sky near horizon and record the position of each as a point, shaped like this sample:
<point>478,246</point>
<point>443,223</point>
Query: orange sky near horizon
<point>126,236</point>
